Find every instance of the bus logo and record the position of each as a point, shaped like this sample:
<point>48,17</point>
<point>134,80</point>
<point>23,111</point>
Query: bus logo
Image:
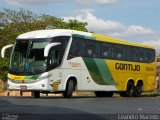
<point>130,67</point>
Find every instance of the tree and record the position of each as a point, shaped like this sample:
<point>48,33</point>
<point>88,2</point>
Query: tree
<point>14,23</point>
<point>75,24</point>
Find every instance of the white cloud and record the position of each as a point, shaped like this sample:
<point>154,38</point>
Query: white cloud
<point>139,30</point>
<point>155,43</point>
<point>109,27</point>
<point>134,30</point>
<point>96,24</point>
<point>134,33</point>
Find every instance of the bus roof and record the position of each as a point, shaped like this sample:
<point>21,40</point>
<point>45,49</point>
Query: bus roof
<point>66,32</point>
<point>50,33</point>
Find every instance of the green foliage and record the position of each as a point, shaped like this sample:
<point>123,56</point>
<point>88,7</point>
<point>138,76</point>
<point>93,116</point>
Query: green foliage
<point>4,68</point>
<point>75,24</point>
<point>14,23</point>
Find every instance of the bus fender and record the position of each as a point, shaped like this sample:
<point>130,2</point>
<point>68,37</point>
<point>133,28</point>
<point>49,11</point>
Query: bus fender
<point>71,77</point>
<point>138,80</point>
<point>128,80</point>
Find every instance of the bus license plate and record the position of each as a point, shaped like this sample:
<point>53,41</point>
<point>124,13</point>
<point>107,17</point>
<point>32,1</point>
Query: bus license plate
<point>23,87</point>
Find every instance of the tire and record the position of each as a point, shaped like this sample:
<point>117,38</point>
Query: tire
<point>69,89</point>
<point>103,94</point>
<point>138,89</point>
<point>129,91</point>
<point>36,94</point>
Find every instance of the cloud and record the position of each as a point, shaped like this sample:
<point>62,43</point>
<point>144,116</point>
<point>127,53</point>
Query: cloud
<point>96,24</point>
<point>109,27</point>
<point>155,43</point>
<point>135,33</point>
<point>134,30</point>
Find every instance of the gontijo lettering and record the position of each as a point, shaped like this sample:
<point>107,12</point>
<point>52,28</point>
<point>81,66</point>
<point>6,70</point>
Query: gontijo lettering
<point>122,66</point>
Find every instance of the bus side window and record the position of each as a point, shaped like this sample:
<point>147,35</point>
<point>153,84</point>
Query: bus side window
<point>105,50</point>
<point>89,52</point>
<point>53,59</point>
<point>92,49</point>
<point>151,56</point>
<point>132,54</point>
<point>77,48</point>
<point>105,54</point>
<point>117,52</point>
<point>142,55</point>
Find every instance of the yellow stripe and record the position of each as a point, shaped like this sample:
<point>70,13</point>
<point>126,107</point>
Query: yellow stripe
<point>114,40</point>
<point>16,77</point>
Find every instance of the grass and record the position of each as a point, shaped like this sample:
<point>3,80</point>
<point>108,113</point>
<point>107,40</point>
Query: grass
<point>151,94</point>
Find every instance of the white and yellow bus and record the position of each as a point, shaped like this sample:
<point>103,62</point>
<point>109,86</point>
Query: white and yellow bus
<point>62,61</point>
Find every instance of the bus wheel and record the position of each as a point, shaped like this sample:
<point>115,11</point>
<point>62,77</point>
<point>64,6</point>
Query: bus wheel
<point>36,94</point>
<point>103,94</point>
<point>138,89</point>
<point>69,89</point>
<point>129,91</point>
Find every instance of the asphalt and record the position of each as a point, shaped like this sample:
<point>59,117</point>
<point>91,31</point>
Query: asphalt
<point>79,108</point>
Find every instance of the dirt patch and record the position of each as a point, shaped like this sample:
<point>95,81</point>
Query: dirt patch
<point>18,93</point>
<point>15,93</point>
<point>2,85</point>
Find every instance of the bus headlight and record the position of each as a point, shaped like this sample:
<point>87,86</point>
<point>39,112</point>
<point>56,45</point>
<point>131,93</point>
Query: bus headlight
<point>43,77</point>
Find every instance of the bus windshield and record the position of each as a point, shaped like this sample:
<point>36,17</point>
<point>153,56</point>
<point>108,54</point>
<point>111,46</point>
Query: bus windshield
<point>27,57</point>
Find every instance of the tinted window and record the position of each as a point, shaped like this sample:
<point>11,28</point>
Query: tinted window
<point>62,39</point>
<point>92,48</point>
<point>62,47</point>
<point>96,49</point>
<point>106,50</point>
<point>119,52</point>
<point>142,55</point>
<point>77,48</point>
<point>132,53</point>
<point>150,55</point>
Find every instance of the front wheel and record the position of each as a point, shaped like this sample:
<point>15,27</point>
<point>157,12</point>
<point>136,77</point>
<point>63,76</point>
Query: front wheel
<point>69,89</point>
<point>36,94</point>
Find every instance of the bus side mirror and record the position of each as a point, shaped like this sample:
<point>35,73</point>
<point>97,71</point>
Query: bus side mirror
<point>4,49</point>
<point>48,47</point>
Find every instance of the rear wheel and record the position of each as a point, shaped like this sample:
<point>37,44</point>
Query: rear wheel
<point>103,94</point>
<point>129,91</point>
<point>69,89</point>
<point>138,89</point>
<point>36,94</point>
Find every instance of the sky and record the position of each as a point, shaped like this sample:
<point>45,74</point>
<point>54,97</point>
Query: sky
<point>131,20</point>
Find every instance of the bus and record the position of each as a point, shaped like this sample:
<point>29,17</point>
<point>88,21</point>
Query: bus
<point>64,61</point>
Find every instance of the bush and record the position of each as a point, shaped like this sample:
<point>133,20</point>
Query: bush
<point>4,68</point>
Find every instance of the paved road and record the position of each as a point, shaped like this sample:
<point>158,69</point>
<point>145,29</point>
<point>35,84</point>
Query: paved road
<point>79,108</point>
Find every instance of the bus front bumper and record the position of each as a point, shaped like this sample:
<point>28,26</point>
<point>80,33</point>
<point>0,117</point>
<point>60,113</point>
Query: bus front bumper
<point>36,86</point>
